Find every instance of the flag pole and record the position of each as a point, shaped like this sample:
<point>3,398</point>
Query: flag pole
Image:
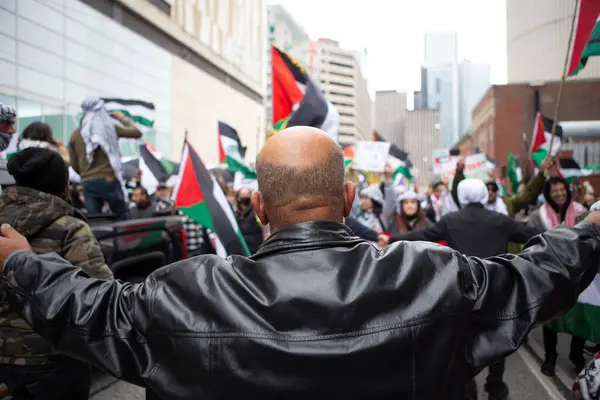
<point>564,76</point>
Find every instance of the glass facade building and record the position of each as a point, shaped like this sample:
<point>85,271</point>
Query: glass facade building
<point>55,53</point>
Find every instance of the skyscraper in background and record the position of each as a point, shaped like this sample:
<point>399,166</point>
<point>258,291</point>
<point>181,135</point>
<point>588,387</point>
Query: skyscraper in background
<point>474,81</point>
<point>390,113</point>
<point>451,87</point>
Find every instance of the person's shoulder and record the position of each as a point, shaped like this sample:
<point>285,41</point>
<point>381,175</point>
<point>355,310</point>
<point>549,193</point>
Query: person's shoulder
<point>75,226</point>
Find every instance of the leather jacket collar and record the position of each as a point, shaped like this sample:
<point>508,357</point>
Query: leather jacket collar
<point>308,234</point>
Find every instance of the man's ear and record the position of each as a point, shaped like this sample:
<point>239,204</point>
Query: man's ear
<point>349,194</point>
<point>259,207</point>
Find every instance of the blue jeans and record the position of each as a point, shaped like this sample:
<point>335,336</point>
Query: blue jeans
<point>98,191</point>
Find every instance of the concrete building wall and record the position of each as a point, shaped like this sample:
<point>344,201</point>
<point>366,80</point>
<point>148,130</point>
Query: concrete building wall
<point>421,137</point>
<point>390,115</point>
<point>537,37</point>
<point>337,72</point>
<point>474,81</point>
<point>441,87</point>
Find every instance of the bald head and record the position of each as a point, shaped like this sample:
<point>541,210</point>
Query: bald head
<point>301,177</point>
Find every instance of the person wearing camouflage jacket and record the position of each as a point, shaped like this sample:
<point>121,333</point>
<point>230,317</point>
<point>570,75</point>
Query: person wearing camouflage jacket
<point>36,207</point>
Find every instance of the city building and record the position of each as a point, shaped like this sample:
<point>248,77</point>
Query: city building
<point>198,62</point>
<point>283,33</point>
<point>506,112</point>
<point>537,36</point>
<point>452,87</point>
<point>421,137</point>
<point>338,73</point>
<point>473,81</point>
<point>390,114</point>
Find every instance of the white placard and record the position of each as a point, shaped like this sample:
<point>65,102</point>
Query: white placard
<point>371,156</point>
<point>439,157</point>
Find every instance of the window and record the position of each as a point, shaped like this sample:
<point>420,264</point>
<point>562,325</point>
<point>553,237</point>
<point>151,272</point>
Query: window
<point>271,28</point>
<point>27,112</point>
<point>54,116</point>
<point>438,105</point>
<point>438,85</point>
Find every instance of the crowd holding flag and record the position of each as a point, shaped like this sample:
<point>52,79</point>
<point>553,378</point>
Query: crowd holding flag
<point>297,100</point>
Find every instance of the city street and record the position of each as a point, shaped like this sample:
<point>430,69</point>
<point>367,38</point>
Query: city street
<point>522,376</point>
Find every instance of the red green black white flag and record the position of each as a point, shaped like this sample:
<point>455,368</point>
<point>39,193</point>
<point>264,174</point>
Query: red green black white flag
<point>199,196</point>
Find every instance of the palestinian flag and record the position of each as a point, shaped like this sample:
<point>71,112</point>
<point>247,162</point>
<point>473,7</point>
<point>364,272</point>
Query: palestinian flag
<point>586,35</point>
<point>583,320</point>
<point>512,172</point>
<point>297,100</point>
<point>570,169</point>
<point>231,151</point>
<point>199,196</point>
<point>153,171</point>
<point>397,159</point>
<point>540,140</point>
<point>142,113</point>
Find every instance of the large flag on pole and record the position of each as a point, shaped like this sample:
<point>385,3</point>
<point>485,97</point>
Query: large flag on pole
<point>541,138</point>
<point>231,152</point>
<point>586,35</point>
<point>199,196</point>
<point>296,98</point>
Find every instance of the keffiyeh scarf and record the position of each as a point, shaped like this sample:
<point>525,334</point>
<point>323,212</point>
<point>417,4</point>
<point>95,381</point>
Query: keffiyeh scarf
<point>6,113</point>
<point>98,131</point>
<point>587,383</point>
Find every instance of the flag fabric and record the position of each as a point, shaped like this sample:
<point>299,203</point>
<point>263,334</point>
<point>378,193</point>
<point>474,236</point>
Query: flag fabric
<point>583,320</point>
<point>231,152</point>
<point>396,154</point>
<point>541,138</point>
<point>296,98</point>
<point>586,35</point>
<point>199,196</point>
<point>142,113</point>
<point>511,172</point>
<point>153,171</point>
<point>570,169</point>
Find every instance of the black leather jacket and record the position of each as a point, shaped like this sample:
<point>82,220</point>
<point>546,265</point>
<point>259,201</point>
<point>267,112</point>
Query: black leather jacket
<point>315,314</point>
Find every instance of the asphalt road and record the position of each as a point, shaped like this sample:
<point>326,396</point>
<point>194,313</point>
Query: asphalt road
<point>521,377</point>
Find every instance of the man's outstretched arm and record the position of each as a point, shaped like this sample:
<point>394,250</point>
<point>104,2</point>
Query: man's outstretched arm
<point>511,293</point>
<point>101,321</point>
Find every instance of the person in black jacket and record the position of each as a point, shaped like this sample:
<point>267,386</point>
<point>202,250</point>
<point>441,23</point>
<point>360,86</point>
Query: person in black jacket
<point>247,220</point>
<point>316,313</point>
<point>478,232</point>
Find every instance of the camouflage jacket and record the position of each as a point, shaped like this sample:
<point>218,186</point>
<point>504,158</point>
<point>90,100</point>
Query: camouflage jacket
<point>52,226</point>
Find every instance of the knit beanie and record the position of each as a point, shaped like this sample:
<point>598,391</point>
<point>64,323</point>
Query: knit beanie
<point>40,169</point>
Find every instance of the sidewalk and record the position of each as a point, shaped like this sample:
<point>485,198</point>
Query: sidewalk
<point>565,370</point>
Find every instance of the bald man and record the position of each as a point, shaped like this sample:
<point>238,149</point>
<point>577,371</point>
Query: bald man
<point>316,313</point>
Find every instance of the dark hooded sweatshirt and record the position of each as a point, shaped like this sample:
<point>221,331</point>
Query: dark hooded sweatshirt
<point>52,226</point>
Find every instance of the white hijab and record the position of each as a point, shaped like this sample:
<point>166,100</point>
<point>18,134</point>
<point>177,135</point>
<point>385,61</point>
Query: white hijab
<point>472,191</point>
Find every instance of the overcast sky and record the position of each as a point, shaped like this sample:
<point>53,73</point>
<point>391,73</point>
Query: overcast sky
<point>392,31</point>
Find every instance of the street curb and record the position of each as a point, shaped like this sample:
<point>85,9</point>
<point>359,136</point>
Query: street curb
<point>562,379</point>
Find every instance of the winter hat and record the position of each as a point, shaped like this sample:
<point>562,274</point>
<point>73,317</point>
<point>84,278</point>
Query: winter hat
<point>373,193</point>
<point>408,195</point>
<point>40,169</point>
<point>472,191</point>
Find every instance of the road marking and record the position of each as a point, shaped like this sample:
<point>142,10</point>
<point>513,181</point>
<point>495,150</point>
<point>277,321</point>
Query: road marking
<point>546,383</point>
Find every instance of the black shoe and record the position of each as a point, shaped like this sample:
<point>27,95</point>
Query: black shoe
<point>549,365</point>
<point>579,362</point>
<point>499,392</point>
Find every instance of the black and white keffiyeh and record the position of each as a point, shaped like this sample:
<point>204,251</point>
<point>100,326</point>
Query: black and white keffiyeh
<point>98,131</point>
